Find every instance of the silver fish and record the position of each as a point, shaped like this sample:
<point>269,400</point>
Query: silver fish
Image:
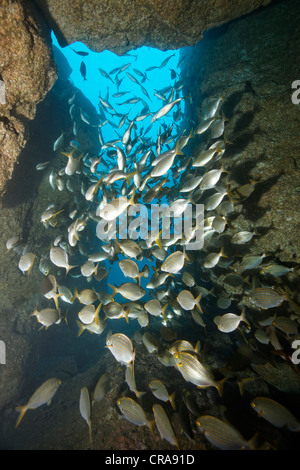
<point>164,110</point>
<point>222,434</point>
<point>129,290</point>
<point>133,412</point>
<point>275,413</point>
<point>59,257</point>
<point>242,237</point>
<point>121,348</point>
<point>130,380</point>
<point>276,270</point>
<point>160,391</point>
<point>174,262</point>
<point>211,178</point>
<point>164,426</point>
<point>229,321</point>
<point>265,297</point>
<point>101,388</point>
<point>41,396</point>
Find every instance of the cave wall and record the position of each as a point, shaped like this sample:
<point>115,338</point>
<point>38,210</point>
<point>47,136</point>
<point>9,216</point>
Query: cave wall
<point>122,25</point>
<point>27,72</point>
<point>252,62</point>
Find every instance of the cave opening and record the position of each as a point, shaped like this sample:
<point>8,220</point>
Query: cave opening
<point>122,89</point>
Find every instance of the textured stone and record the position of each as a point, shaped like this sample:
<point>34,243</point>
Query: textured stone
<point>252,62</point>
<point>28,72</point>
<point>122,25</point>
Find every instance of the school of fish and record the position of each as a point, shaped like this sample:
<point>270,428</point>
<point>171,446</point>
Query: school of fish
<point>183,167</point>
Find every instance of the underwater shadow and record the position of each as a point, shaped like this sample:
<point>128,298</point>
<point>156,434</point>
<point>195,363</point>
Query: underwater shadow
<point>251,210</point>
<point>234,99</point>
<point>241,171</point>
<point>49,122</point>
<point>240,143</point>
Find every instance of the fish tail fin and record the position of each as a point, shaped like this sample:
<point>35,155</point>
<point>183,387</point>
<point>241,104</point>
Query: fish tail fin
<point>253,441</point>
<point>69,268</point>
<point>222,253</point>
<point>139,276</point>
<point>158,240</point>
<point>96,269</point>
<point>56,300</point>
<point>56,213</point>
<point>140,394</point>
<point>69,154</point>
<point>131,200</point>
<point>198,347</point>
<point>219,149</point>
<point>34,312</point>
<point>191,199</point>
<point>65,316</point>
<point>220,386</point>
<point>286,295</point>
<point>22,410</point>
<point>117,243</point>
<point>151,427</point>
<point>80,328</point>
<point>244,318</point>
<point>223,169</point>
<point>29,270</point>
<point>114,289</point>
<point>224,117</point>
<point>97,312</point>
<point>163,312</point>
<point>197,300</point>
<point>178,149</point>
<point>172,400</point>
<point>211,292</point>
<point>130,175</point>
<point>230,225</point>
<point>185,255</point>
<point>75,294</point>
<point>241,390</point>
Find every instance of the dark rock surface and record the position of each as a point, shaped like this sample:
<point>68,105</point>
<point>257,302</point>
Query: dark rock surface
<point>122,25</point>
<point>252,62</point>
<point>28,72</point>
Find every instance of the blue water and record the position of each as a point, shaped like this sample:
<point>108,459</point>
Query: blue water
<point>154,81</point>
<point>97,85</point>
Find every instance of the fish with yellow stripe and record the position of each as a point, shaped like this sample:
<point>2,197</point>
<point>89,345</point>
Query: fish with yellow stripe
<point>121,348</point>
<point>41,396</point>
<point>223,435</point>
<point>195,372</point>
